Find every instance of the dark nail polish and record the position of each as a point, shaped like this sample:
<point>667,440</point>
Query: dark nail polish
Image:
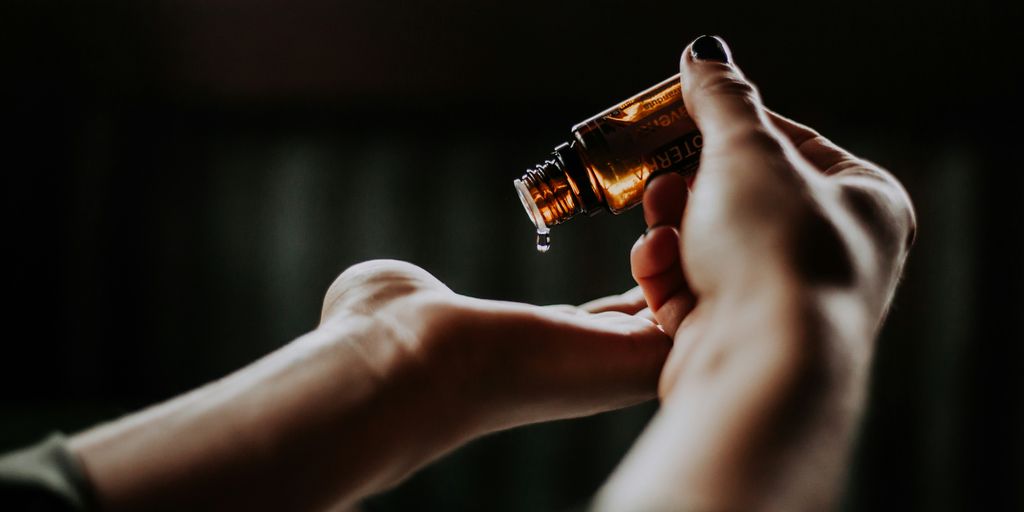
<point>709,48</point>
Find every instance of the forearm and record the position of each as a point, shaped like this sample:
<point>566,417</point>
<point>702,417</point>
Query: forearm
<point>762,415</point>
<point>322,421</point>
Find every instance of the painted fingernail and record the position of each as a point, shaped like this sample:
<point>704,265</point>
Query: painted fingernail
<point>709,48</point>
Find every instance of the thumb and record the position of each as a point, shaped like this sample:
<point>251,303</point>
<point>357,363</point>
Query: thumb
<point>747,170</point>
<point>725,106</point>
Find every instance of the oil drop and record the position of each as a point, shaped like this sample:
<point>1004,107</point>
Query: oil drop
<point>543,240</point>
<point>543,231</point>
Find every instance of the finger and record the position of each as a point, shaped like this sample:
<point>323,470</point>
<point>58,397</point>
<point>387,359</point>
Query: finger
<point>664,200</point>
<point>657,268</point>
<point>872,193</point>
<point>629,302</point>
<point>611,358</point>
<point>833,160</point>
<point>542,365</point>
<point>724,105</point>
<point>565,308</point>
<point>655,258</point>
<point>822,153</point>
<point>646,314</point>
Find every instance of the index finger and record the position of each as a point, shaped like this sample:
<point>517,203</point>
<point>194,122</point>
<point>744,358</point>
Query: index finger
<point>818,150</point>
<point>873,193</point>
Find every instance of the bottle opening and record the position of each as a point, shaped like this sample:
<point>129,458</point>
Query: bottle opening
<point>526,197</point>
<point>543,232</point>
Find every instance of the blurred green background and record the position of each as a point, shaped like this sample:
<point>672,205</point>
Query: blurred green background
<point>184,179</point>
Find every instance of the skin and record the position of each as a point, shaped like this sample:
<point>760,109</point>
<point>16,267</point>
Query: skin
<point>400,371</point>
<point>773,275</point>
<point>766,285</point>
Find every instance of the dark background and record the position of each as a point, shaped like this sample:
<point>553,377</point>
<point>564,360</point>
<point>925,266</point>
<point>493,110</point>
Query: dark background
<point>183,179</point>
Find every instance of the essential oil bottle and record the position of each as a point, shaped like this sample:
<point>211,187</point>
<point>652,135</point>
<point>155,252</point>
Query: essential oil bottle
<point>610,157</point>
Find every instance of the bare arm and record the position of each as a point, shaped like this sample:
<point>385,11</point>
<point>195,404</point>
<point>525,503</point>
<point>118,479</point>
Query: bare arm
<point>400,371</point>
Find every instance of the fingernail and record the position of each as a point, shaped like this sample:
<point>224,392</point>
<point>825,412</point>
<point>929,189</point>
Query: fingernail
<point>709,48</point>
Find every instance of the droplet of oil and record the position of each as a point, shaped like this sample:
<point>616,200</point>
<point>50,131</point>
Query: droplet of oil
<point>543,240</point>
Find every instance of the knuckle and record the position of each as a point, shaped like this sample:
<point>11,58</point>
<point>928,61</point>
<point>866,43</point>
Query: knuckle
<point>878,200</point>
<point>813,142</point>
<point>852,166</point>
<point>730,84</point>
<point>883,209</point>
<point>821,252</point>
<point>864,203</point>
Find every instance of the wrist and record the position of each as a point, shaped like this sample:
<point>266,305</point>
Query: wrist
<point>337,402</point>
<point>408,338</point>
<point>764,376</point>
<point>399,352</point>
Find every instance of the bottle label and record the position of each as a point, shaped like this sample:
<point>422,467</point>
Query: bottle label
<point>656,127</point>
<point>648,134</point>
<point>681,155</point>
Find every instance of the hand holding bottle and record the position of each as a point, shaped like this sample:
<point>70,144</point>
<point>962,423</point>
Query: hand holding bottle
<point>773,204</point>
<point>772,273</point>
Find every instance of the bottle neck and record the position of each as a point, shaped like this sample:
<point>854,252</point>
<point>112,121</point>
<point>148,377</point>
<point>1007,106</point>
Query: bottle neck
<point>557,189</point>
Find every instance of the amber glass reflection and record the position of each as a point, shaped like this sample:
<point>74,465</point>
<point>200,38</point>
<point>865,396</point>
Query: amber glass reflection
<point>618,150</point>
<point>647,134</point>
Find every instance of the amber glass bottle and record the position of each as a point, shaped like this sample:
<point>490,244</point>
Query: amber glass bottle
<point>611,156</point>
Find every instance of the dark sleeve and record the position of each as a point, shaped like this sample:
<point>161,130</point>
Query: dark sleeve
<point>44,477</point>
